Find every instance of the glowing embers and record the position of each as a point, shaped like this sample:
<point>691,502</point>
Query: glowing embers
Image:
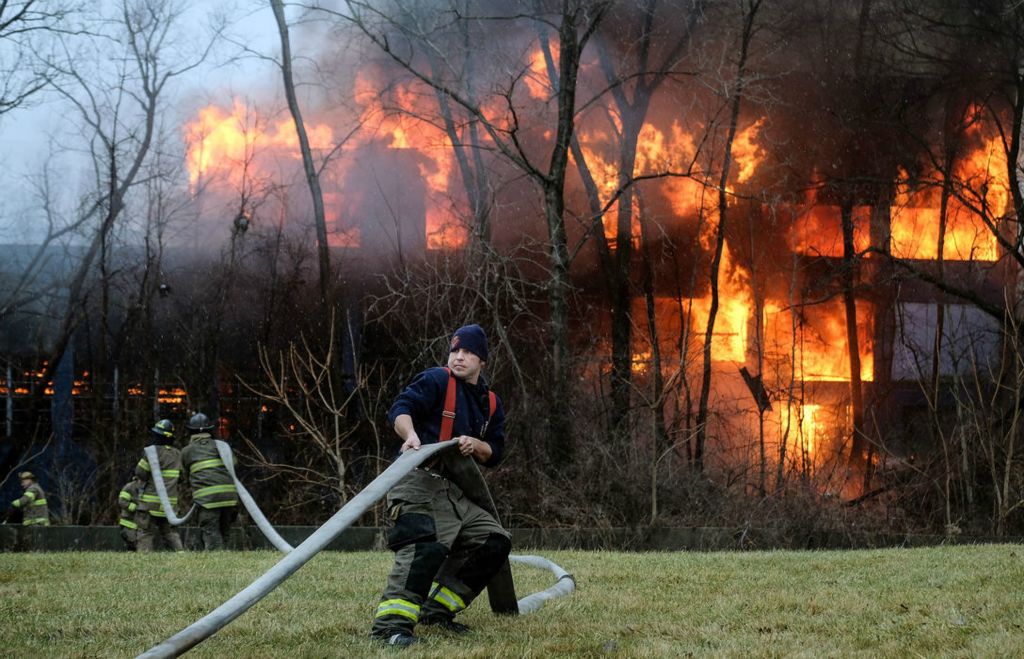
<point>814,346</point>
<point>172,395</point>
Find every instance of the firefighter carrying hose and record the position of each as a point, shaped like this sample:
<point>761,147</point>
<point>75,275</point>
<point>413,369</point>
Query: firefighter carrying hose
<point>213,489</point>
<point>150,514</point>
<point>447,547</point>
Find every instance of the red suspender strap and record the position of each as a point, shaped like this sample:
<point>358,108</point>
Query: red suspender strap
<point>448,415</point>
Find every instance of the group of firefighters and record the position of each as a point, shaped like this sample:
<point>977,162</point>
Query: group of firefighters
<point>447,540</point>
<point>200,466</point>
<point>141,515</point>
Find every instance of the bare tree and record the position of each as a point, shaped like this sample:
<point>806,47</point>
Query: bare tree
<point>318,420</point>
<point>308,165</point>
<point>575,22</point>
<point>736,95</point>
<point>119,117</point>
<point>633,76</point>
<point>25,26</point>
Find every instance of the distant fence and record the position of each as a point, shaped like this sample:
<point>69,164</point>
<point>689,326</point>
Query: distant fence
<point>107,538</point>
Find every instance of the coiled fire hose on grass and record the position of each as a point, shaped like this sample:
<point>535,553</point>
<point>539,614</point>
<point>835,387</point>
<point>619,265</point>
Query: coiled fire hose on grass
<point>214,621</point>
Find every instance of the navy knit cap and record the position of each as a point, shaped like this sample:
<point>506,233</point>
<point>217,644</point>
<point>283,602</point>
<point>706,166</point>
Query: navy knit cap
<point>472,338</point>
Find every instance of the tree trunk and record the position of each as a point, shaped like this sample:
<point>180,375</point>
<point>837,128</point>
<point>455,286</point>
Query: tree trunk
<point>858,443</point>
<point>716,261</point>
<point>554,210</point>
<point>312,176</point>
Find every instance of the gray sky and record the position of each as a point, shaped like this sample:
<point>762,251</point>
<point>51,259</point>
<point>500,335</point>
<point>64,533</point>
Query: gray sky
<point>31,136</point>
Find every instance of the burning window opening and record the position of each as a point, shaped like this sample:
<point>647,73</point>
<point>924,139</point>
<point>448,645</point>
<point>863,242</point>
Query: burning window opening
<point>238,151</point>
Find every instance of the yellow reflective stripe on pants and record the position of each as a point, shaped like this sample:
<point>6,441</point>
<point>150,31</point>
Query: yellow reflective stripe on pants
<point>36,521</point>
<point>399,608</point>
<point>41,502</point>
<point>127,523</point>
<point>448,598</point>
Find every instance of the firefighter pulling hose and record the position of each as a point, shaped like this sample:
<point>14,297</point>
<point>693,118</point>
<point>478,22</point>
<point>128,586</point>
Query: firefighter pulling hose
<point>161,489</point>
<point>225,461</point>
<point>449,544</point>
<point>299,556</point>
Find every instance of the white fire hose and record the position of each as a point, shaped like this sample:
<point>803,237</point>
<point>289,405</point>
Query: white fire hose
<point>229,463</point>
<point>214,621</point>
<point>161,490</point>
<point>250,504</point>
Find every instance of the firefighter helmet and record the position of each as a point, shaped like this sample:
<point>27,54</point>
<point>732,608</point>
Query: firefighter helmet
<point>199,422</point>
<point>26,476</point>
<point>163,428</point>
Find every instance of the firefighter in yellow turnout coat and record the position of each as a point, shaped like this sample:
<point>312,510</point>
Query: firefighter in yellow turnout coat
<point>213,489</point>
<point>127,504</point>
<point>33,502</point>
<point>150,513</point>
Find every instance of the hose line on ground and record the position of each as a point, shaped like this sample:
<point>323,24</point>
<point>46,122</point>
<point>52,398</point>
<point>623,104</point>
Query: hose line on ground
<point>564,583</point>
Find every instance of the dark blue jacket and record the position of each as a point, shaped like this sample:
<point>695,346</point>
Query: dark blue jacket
<point>423,400</point>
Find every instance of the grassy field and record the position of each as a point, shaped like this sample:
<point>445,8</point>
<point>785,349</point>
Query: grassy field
<point>946,601</point>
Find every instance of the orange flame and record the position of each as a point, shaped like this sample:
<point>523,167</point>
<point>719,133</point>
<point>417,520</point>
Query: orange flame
<point>818,231</point>
<point>227,148</point>
<point>538,83</point>
<point>981,181</point>
<point>402,128</point>
<point>224,144</point>
<point>748,154</point>
<point>916,221</point>
<point>735,309</point>
<point>819,345</point>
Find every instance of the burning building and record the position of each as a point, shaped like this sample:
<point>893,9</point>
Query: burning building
<point>821,262</point>
<point>784,254</point>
